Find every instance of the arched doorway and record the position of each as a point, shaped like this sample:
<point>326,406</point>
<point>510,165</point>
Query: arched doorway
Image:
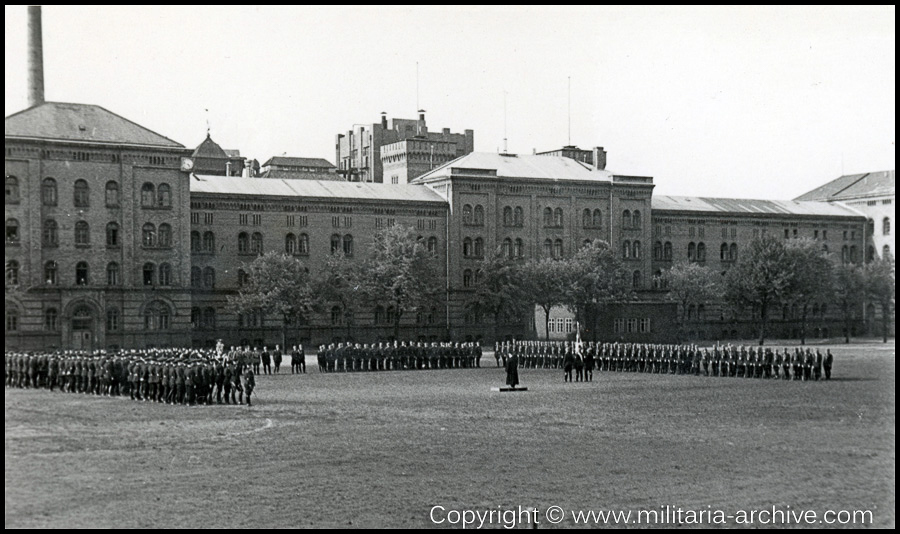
<point>82,328</point>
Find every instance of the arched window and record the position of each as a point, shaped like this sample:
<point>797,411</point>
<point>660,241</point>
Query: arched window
<point>148,195</point>
<point>636,250</point>
<point>626,250</point>
<point>636,219</point>
<point>657,279</point>
<point>478,218</point>
<point>196,277</point>
<point>507,248</point>
<point>886,226</point>
<point>732,252</point>
<point>886,252</point>
<point>112,234</point>
<point>148,235</point>
<point>870,254</point>
<point>303,244</point>
<point>51,319</point>
<point>667,251</point>
<point>467,278</point>
<point>519,248</point>
<point>597,219</point>
<point>467,214</point>
<point>548,248</point>
<point>195,241</point>
<point>164,236</point>
<point>12,319</point>
<point>692,251</point>
<point>256,243</point>
<point>723,252</point>
<point>636,279</point>
<point>112,319</point>
<point>335,243</point>
<point>336,316</point>
<point>12,273</point>
<point>164,196</point>
<point>112,194</point>
<point>113,274</point>
<point>82,233</point>
<point>12,189</point>
<point>82,197</point>
<point>467,247</point>
<point>845,254</point>
<point>165,274</point>
<point>209,242</point>
<point>243,278</point>
<point>290,244</point>
<point>50,273</point>
<point>558,248</point>
<point>626,219</point>
<point>507,216</point>
<point>432,245</point>
<point>81,274</point>
<point>657,250</point>
<point>209,318</point>
<point>586,221</point>
<point>348,245</point>
<point>51,234</point>
<point>209,278</point>
<point>12,232</point>
<point>558,217</point>
<point>479,247</point>
<point>243,243</point>
<point>519,216</point>
<point>49,195</point>
<point>548,217</point>
<point>196,317</point>
<point>156,316</point>
<point>854,257</point>
<point>701,252</point>
<point>149,270</point>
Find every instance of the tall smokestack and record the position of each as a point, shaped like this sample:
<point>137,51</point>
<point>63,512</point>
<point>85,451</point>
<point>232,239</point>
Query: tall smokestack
<point>35,58</point>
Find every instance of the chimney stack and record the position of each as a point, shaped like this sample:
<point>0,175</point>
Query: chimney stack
<point>384,120</point>
<point>35,58</point>
<point>599,158</point>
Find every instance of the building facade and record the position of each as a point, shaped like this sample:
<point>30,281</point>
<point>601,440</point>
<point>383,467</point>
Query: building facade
<point>293,168</point>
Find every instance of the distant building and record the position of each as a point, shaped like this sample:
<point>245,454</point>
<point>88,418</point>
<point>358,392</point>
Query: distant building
<point>578,154</point>
<point>209,158</point>
<point>291,168</point>
<point>359,157</point>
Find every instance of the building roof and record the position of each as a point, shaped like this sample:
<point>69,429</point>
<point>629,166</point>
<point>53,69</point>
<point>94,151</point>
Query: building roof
<point>850,186</point>
<point>81,122</point>
<point>275,187</point>
<point>521,166</point>
<point>298,162</point>
<point>232,152</point>
<point>744,206</point>
<point>209,149</point>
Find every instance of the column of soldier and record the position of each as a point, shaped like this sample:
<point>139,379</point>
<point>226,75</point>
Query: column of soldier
<point>352,357</point>
<point>172,376</point>
<point>269,362</point>
<point>742,361</point>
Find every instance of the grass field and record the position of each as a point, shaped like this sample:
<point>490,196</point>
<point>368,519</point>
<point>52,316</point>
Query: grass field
<point>381,449</point>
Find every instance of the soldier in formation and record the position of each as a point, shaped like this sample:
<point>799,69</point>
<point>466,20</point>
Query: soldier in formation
<point>397,356</point>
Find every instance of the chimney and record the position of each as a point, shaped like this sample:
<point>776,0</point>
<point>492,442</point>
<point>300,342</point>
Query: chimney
<point>384,120</point>
<point>599,158</point>
<point>35,58</point>
<point>246,171</point>
<point>421,129</point>
<point>227,168</point>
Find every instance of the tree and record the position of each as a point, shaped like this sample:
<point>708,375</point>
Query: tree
<point>595,279</point>
<point>498,289</point>
<point>544,282</point>
<point>760,280</point>
<point>811,272</point>
<point>880,286</point>
<point>849,292</point>
<point>277,283</point>
<point>400,272</point>
<point>691,284</point>
<point>338,284</point>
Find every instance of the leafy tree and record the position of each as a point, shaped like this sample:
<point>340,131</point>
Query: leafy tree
<point>338,284</point>
<point>811,273</point>
<point>849,292</point>
<point>761,280</point>
<point>596,277</point>
<point>277,284</point>
<point>544,282</point>
<point>691,284</point>
<point>498,289</point>
<point>880,286</point>
<point>400,272</point>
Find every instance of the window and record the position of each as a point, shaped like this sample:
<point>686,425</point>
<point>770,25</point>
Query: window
<point>626,250</point>
<point>692,251</point>
<point>195,241</point>
<point>723,252</point>
<point>196,277</point>
<point>548,217</point>
<point>519,216</point>
<point>558,248</point>
<point>336,316</point>
<point>636,250</point>
<point>507,248</point>
<point>50,272</point>
<point>701,252</point>
<point>467,214</point>
<point>82,198</point>
<point>112,234</point>
<point>113,274</point>
<point>667,251</point>
<point>51,319</point>
<point>626,219</point>
<point>519,248</point>
<point>209,242</point>
<point>49,194</point>
<point>597,219</point>
<point>148,195</point>
<point>256,243</point>
<point>548,248</point>
<point>432,245</point>
<point>657,250</point>
<point>12,273</point>
<point>467,278</point>
<point>478,219</point>
<point>886,252</point>
<point>243,243</point>
<point>209,278</point>
<point>12,189</point>
<point>164,196</point>
<point>112,319</point>
<point>348,245</point>
<point>156,316</point>
<point>112,195</point>
<point>558,217</point>
<point>81,274</point>
<point>732,252</point>
<point>51,235</point>
<point>886,226</point>
<point>479,247</point>
<point>586,219</point>
<point>82,233</point>
<point>12,319</point>
<point>467,247</point>
<point>636,220</point>
<point>636,279</point>
<point>164,237</point>
<point>165,274</point>
<point>243,278</point>
<point>148,235</point>
<point>507,216</point>
<point>148,274</point>
<point>290,244</point>
<point>12,232</point>
<point>379,315</point>
<point>335,243</point>
<point>303,244</point>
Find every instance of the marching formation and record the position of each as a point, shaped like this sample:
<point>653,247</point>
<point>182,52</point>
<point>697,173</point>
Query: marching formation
<point>264,360</point>
<point>720,360</point>
<point>348,357</point>
<point>172,376</point>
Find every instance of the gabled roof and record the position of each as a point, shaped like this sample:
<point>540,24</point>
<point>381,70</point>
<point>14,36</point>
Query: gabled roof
<point>744,206</point>
<point>298,162</point>
<point>209,149</point>
<point>850,186</point>
<point>81,122</point>
<point>275,187</point>
<point>521,166</point>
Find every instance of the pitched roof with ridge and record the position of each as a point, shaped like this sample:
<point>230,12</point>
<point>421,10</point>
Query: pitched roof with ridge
<point>85,123</point>
<point>298,162</point>
<point>850,186</point>
<point>209,149</point>
<point>745,206</point>
<point>521,166</point>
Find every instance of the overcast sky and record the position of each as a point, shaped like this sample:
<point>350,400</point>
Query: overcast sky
<point>726,102</point>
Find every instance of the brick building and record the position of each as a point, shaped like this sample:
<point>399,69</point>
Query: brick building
<point>294,168</point>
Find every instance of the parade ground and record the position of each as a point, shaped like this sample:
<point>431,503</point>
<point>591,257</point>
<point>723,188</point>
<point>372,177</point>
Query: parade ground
<point>418,448</point>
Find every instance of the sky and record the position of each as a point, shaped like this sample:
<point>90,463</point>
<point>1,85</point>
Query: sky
<point>710,101</point>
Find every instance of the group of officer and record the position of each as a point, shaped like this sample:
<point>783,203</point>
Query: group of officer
<point>173,376</point>
<point>269,361</point>
<point>406,355</point>
<point>803,363</point>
